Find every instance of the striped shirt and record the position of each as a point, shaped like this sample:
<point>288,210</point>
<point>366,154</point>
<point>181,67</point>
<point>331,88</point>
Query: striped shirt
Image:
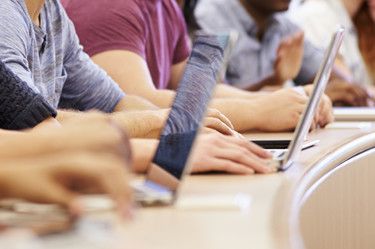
<point>51,61</point>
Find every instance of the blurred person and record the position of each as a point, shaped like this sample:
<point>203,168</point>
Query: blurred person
<point>320,18</point>
<point>364,21</point>
<point>271,49</point>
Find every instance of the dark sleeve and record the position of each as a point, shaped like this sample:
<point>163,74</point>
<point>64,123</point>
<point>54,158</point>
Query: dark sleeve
<point>20,106</point>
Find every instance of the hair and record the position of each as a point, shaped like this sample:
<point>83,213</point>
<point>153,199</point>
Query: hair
<point>366,37</point>
<point>189,9</point>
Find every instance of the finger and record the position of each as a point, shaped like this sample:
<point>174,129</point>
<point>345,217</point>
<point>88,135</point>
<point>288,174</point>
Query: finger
<point>213,113</point>
<point>56,193</point>
<point>245,158</point>
<point>206,130</point>
<point>105,173</point>
<point>111,178</point>
<point>299,37</point>
<point>360,95</point>
<point>230,167</point>
<point>226,121</point>
<point>216,124</point>
<point>229,142</point>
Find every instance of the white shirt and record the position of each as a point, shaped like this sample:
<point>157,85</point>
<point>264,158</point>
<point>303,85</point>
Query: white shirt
<point>320,19</point>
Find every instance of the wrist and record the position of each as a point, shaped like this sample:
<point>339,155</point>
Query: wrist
<point>257,114</point>
<point>144,124</point>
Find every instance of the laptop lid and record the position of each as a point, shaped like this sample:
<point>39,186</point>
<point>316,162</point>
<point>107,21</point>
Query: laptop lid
<point>320,84</point>
<point>193,95</point>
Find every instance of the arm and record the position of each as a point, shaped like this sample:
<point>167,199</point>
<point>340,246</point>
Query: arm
<point>135,77</point>
<point>137,124</point>
<point>21,107</point>
<point>213,152</point>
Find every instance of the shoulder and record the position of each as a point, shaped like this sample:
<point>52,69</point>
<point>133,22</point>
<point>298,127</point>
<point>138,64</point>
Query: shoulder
<point>13,12</point>
<point>114,14</point>
<point>15,25</point>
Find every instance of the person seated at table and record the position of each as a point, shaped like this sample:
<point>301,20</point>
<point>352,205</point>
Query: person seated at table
<point>320,18</point>
<point>38,44</point>
<point>21,108</point>
<point>271,49</point>
<point>144,46</point>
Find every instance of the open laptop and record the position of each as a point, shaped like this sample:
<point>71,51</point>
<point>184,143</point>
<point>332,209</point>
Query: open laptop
<point>285,158</point>
<point>171,160</point>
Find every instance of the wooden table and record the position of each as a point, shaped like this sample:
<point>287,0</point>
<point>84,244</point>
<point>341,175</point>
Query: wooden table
<point>293,209</point>
<point>273,218</point>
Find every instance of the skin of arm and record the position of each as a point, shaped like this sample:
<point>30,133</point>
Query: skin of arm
<point>134,78</point>
<point>137,124</point>
<point>137,71</point>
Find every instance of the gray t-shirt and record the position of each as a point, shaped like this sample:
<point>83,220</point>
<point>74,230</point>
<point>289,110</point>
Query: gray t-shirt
<point>252,60</point>
<point>50,59</point>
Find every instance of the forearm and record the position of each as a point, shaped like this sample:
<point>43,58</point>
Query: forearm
<point>244,114</point>
<point>268,81</point>
<point>134,103</point>
<point>140,124</point>
<point>8,133</point>
<point>226,91</point>
<point>143,153</point>
<point>160,98</point>
<point>137,124</point>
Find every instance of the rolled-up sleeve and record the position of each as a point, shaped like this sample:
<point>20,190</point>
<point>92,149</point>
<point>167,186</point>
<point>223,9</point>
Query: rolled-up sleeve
<point>87,86</point>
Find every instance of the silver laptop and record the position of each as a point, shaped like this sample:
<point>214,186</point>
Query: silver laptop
<point>171,160</point>
<point>285,158</point>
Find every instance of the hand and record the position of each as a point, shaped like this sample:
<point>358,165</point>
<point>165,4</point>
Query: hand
<point>279,111</point>
<point>347,94</point>
<point>289,58</point>
<point>324,114</point>
<point>215,121</point>
<point>60,179</point>
<point>216,152</point>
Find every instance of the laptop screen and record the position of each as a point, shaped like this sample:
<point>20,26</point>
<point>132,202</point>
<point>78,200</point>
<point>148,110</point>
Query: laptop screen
<point>320,84</point>
<point>188,110</point>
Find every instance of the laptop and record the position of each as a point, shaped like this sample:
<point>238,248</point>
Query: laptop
<point>282,158</point>
<point>171,160</point>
